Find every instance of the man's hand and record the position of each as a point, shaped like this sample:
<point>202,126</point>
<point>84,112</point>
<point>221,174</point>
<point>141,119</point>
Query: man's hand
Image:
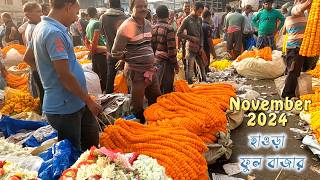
<point>176,68</point>
<point>195,39</point>
<point>94,107</point>
<point>120,65</point>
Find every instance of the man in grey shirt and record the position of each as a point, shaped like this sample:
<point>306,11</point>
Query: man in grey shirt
<point>192,24</point>
<point>111,21</point>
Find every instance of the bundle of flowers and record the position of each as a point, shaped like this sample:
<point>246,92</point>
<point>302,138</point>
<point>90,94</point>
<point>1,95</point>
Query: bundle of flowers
<point>12,171</point>
<point>11,149</point>
<point>315,72</point>
<point>264,53</point>
<point>177,149</point>
<point>17,101</point>
<point>17,82</point>
<point>216,41</point>
<point>106,164</point>
<point>120,84</point>
<point>221,64</point>
<point>198,114</point>
<point>311,36</point>
<point>20,48</point>
<point>22,66</point>
<point>81,52</point>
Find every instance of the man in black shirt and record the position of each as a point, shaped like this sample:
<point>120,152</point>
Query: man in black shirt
<point>207,40</point>
<point>11,31</point>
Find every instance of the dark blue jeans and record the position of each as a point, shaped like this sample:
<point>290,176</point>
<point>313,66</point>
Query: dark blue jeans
<point>80,128</point>
<point>266,41</point>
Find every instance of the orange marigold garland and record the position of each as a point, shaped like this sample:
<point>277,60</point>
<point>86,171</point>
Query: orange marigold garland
<point>178,150</point>
<point>264,53</point>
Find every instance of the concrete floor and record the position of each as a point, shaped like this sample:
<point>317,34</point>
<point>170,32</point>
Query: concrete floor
<point>240,140</point>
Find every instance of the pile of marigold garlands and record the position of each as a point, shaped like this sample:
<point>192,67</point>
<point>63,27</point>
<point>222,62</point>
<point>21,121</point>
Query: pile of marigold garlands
<point>17,101</point>
<point>311,38</point>
<point>314,110</point>
<point>264,53</point>
<point>199,109</point>
<point>177,149</point>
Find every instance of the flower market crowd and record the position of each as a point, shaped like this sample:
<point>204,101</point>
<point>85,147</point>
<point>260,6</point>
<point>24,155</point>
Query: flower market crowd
<point>164,60</point>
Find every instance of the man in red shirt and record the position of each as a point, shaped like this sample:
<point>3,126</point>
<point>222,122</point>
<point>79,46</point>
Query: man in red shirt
<point>182,43</point>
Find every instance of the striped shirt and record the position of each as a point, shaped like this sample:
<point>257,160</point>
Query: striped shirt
<point>133,45</point>
<point>295,27</point>
<point>164,42</point>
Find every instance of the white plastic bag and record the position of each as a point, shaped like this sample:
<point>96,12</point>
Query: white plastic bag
<point>13,58</point>
<point>257,68</point>
<point>93,82</point>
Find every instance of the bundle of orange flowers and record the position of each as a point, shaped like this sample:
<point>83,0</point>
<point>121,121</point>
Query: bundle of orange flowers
<point>20,48</point>
<point>80,48</point>
<point>178,150</point>
<point>17,82</point>
<point>219,92</point>
<point>199,109</point>
<point>311,38</point>
<point>198,114</point>
<point>313,97</point>
<point>22,66</point>
<point>120,84</point>
<point>315,72</point>
<point>216,41</point>
<point>264,53</point>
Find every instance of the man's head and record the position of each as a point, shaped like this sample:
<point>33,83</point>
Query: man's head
<point>233,9</point>
<point>6,17</point>
<point>186,8</point>
<point>83,15</point>
<point>267,4</point>
<point>68,10</point>
<point>228,8</point>
<point>198,9</point>
<point>33,12</point>
<point>92,12</point>
<point>206,15</point>
<point>248,9</point>
<point>238,10</point>
<point>139,8</point>
<point>45,9</point>
<point>207,7</point>
<point>115,4</point>
<point>162,12</point>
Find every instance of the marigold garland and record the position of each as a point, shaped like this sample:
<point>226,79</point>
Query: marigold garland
<point>199,109</point>
<point>311,37</point>
<point>177,149</point>
<point>20,48</point>
<point>16,82</point>
<point>315,72</point>
<point>264,53</point>
<point>120,84</point>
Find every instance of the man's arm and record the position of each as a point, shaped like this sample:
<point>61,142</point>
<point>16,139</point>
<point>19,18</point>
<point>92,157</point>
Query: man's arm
<point>12,35</point>
<point>181,35</point>
<point>29,58</point>
<point>255,20</point>
<point>211,46</point>
<point>282,19</point>
<point>96,36</point>
<point>120,43</point>
<point>171,45</point>
<point>299,9</point>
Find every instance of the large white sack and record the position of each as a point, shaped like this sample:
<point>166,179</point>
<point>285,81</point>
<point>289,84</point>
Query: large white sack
<point>93,82</point>
<point>253,3</point>
<point>257,68</point>
<point>13,58</point>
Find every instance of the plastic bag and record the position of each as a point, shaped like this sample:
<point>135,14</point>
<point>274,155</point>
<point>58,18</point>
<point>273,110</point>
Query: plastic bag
<point>11,126</point>
<point>58,158</point>
<point>220,149</point>
<point>257,68</point>
<point>40,135</point>
<point>93,83</point>
<point>13,58</point>
<point>30,163</point>
<point>250,42</point>
<point>304,84</point>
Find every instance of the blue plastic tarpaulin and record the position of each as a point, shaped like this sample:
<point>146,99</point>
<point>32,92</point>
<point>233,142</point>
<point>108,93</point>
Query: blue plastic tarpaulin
<point>11,126</point>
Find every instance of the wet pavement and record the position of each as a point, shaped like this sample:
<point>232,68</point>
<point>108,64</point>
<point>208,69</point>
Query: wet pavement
<point>239,137</point>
